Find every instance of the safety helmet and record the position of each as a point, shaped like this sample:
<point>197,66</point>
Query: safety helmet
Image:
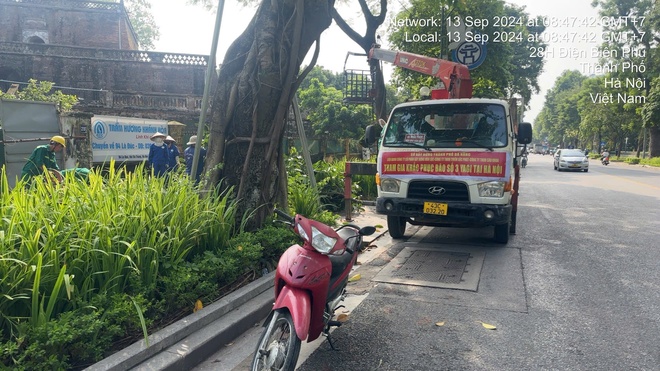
<point>59,140</point>
<point>193,140</point>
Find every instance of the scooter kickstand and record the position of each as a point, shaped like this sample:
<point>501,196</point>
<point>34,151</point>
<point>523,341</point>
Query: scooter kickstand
<point>331,341</point>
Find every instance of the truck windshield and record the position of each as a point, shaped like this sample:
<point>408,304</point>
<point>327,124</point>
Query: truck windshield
<point>464,125</point>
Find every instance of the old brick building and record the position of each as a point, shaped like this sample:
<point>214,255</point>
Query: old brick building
<point>89,48</point>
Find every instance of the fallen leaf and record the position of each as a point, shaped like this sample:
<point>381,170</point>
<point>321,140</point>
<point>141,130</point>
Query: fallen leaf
<point>355,278</point>
<point>487,326</point>
<point>342,317</point>
<point>198,306</point>
<point>440,323</point>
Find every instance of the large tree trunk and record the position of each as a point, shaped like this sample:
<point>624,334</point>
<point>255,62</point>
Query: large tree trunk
<point>256,83</point>
<point>654,147</point>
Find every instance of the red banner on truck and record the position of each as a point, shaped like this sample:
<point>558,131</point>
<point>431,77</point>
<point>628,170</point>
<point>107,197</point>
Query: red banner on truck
<point>456,163</point>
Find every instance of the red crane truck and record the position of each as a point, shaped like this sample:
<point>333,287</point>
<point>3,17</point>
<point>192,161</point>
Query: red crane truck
<point>451,160</point>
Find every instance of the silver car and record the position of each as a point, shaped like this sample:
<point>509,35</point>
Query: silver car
<point>571,159</point>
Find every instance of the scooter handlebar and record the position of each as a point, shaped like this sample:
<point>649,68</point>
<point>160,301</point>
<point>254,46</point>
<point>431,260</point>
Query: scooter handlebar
<point>284,215</point>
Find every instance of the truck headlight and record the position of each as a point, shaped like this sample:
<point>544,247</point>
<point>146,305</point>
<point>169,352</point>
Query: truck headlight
<point>390,185</point>
<point>491,189</point>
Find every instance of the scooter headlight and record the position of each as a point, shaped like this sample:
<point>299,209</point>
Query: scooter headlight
<point>321,242</point>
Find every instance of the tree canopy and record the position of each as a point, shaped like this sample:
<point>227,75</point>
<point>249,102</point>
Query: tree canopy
<point>510,68</point>
<point>42,91</point>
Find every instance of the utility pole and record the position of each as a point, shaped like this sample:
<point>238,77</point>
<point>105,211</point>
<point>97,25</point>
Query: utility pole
<point>207,87</point>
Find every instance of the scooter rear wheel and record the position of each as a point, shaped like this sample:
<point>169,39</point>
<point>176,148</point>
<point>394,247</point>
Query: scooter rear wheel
<point>279,346</point>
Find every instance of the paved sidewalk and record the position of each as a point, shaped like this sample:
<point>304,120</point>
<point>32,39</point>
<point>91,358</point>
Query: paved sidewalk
<point>184,344</point>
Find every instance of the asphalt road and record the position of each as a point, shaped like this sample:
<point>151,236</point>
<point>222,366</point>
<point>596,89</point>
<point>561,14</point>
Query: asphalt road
<point>575,289</point>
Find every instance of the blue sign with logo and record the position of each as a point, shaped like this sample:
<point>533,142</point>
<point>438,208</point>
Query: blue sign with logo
<point>470,53</point>
<point>99,130</point>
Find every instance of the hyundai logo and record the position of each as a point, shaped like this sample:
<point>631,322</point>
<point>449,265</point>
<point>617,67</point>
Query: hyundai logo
<point>437,190</point>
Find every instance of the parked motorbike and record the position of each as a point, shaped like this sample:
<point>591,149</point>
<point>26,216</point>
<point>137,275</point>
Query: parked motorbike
<point>310,283</point>
<point>605,160</point>
<point>523,162</point>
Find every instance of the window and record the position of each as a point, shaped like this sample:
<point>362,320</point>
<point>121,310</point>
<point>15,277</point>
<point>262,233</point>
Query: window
<point>471,125</point>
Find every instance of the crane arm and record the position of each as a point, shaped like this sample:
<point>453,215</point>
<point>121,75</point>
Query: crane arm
<point>455,76</point>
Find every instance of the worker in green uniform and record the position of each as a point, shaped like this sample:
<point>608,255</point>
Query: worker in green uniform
<point>79,173</point>
<point>43,156</point>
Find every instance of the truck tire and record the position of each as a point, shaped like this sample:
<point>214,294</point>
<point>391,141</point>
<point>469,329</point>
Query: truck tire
<point>502,233</point>
<point>396,226</point>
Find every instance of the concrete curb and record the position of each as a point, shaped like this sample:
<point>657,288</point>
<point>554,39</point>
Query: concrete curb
<point>183,344</point>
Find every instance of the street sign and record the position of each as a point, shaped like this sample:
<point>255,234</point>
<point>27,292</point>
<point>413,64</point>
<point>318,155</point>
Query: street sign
<point>470,53</point>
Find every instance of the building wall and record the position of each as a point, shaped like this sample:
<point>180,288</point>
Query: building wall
<point>67,22</point>
<point>83,55</point>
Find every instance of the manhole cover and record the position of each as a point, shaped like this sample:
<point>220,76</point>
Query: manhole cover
<point>435,267</point>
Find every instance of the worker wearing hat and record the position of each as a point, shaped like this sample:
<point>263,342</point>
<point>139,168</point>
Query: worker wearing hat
<point>173,153</point>
<point>158,155</point>
<point>43,156</point>
<point>189,154</point>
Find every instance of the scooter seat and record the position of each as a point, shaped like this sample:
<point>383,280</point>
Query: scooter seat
<point>339,262</point>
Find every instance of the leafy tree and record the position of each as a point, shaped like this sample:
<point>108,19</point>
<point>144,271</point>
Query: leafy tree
<point>559,119</point>
<point>640,48</point>
<point>42,91</point>
<point>326,77</point>
<point>651,115</point>
<point>508,69</point>
<point>139,13</point>
<point>604,122</point>
<point>329,115</point>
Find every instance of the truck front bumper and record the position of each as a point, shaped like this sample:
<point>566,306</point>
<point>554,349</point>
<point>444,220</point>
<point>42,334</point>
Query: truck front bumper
<point>459,214</point>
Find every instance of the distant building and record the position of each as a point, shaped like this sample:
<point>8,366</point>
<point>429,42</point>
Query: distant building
<point>89,48</point>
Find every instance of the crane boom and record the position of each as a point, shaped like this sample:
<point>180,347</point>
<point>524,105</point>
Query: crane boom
<point>455,76</point>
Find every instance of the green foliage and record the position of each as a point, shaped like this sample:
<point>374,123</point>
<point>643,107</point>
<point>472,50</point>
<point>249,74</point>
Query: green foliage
<point>76,337</point>
<point>274,239</point>
<point>329,116</point>
<point>632,160</point>
<point>142,21</point>
<point>508,68</point>
<point>42,91</point>
<point>654,161</point>
<point>651,110</point>
<point>77,245</point>
<point>302,197</point>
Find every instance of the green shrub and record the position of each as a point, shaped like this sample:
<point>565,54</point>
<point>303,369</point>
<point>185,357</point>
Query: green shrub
<point>654,161</point>
<point>77,337</point>
<point>632,160</point>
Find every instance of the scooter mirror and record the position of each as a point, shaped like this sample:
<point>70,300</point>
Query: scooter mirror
<point>368,230</point>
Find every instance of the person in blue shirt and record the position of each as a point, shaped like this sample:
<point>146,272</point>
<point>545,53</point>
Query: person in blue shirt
<point>173,154</point>
<point>158,154</point>
<point>189,155</point>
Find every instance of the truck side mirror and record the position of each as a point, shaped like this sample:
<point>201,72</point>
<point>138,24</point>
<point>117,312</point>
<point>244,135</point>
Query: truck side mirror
<point>371,134</point>
<point>524,133</point>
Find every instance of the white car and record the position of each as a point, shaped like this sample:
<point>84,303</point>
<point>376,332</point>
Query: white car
<point>571,159</point>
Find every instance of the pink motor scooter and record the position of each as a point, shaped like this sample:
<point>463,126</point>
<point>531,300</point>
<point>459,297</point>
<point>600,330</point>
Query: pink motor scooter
<point>310,282</point>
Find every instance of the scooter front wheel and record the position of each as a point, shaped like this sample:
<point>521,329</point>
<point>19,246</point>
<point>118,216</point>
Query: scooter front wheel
<point>279,346</point>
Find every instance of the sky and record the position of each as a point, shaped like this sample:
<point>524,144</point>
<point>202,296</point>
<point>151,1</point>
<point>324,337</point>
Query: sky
<point>189,29</point>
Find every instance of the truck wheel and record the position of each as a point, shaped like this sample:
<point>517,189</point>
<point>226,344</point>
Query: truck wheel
<point>397,226</point>
<point>502,233</point>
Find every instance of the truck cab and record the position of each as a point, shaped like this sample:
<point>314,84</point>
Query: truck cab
<point>451,163</point>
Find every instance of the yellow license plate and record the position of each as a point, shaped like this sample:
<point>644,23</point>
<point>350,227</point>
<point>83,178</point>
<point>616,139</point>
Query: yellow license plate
<point>435,208</point>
